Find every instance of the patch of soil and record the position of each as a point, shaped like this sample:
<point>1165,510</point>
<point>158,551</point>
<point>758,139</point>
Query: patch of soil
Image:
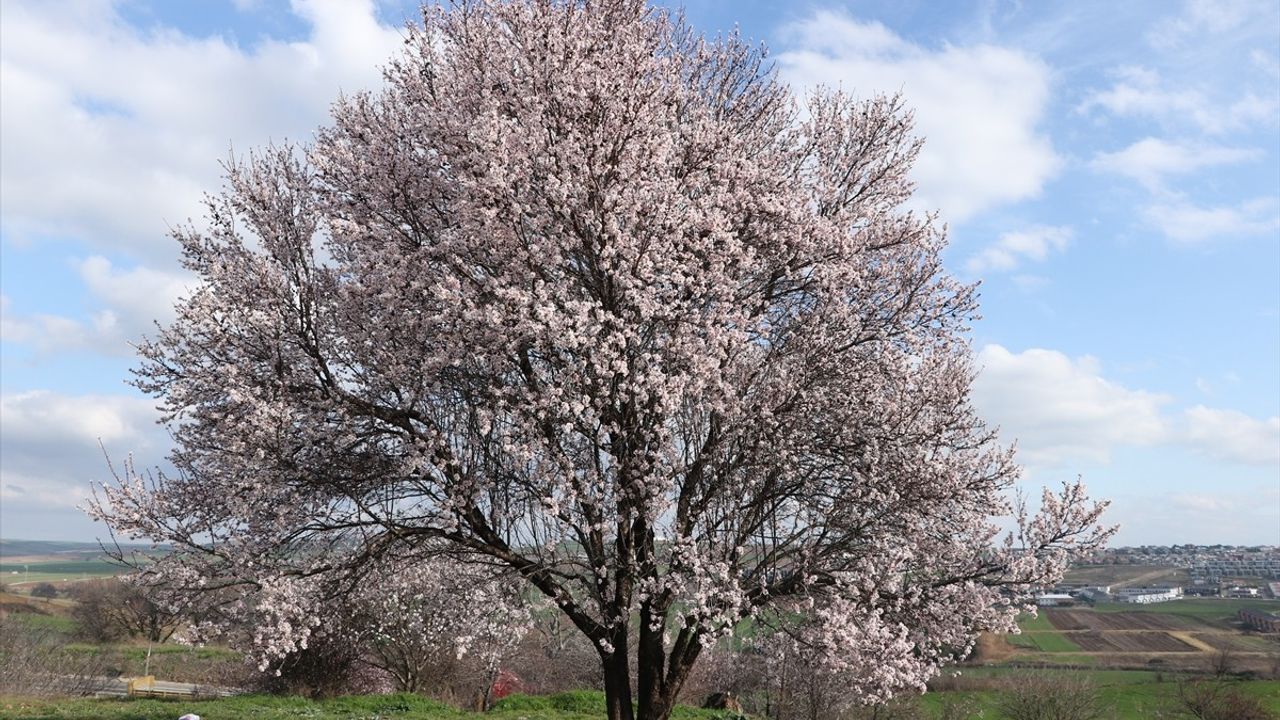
<point>991,648</point>
<point>1130,642</point>
<point>7,607</point>
<point>1091,620</point>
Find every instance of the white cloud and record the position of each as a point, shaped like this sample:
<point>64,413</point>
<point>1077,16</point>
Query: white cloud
<point>1233,436</point>
<point>979,107</point>
<point>135,300</point>
<point>1150,160</point>
<point>1141,92</point>
<point>112,133</point>
<point>49,333</point>
<point>1199,18</point>
<point>1267,63</point>
<point>1186,223</point>
<point>1012,249</point>
<point>1028,282</point>
<point>49,449</point>
<point>1201,503</point>
<point>140,296</point>
<point>1063,413</point>
<point>1060,410</point>
<point>1244,514</point>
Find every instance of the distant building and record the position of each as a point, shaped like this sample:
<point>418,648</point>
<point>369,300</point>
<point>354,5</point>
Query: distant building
<point>1055,600</point>
<point>1241,592</point>
<point>1260,620</point>
<point>1095,594</point>
<point>1147,595</point>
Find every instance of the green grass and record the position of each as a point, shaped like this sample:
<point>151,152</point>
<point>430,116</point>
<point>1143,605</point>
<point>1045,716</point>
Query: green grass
<point>584,704</point>
<point>26,575</point>
<point>578,705</point>
<point>1024,641</point>
<point>180,663</point>
<point>1039,622</point>
<point>1100,676</point>
<point>24,582</point>
<point>1126,695</point>
<point>55,623</point>
<point>139,652</point>
<point>1052,642</point>
<point>67,568</point>
<point>248,706</point>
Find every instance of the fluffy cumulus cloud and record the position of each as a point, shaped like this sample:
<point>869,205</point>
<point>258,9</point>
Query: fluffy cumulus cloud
<point>1012,249</point>
<point>113,133</point>
<point>122,128</point>
<point>979,107</point>
<point>47,332</point>
<point>1186,222</point>
<point>134,301</point>
<point>1233,436</point>
<point>1060,409</point>
<point>1063,412</point>
<point>1151,160</point>
<point>1140,92</point>
<point>1155,164</point>
<point>50,446</point>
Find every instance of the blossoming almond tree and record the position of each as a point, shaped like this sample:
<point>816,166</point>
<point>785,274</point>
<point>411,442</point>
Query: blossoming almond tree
<point>585,295</point>
<point>418,615</point>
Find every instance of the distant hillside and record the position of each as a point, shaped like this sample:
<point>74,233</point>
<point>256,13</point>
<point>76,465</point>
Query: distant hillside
<point>71,550</point>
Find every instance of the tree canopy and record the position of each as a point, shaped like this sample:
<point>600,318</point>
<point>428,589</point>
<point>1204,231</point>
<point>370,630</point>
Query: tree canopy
<point>593,300</point>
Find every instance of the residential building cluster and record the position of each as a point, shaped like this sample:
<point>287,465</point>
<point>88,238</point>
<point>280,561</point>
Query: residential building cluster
<point>1206,563</point>
<point>1094,594</point>
<point>1215,571</point>
<point>1260,620</point>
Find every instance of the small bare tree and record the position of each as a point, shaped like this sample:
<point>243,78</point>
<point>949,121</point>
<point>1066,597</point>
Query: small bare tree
<point>1213,699</point>
<point>34,663</point>
<point>108,609</point>
<point>1216,697</point>
<point>1040,696</point>
<point>44,590</point>
<point>1222,664</point>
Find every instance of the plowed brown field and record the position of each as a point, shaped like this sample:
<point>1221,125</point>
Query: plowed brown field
<point>1132,641</point>
<point>1089,620</point>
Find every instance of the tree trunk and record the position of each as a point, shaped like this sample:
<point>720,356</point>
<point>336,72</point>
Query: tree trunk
<point>659,678</point>
<point>650,662</point>
<point>617,680</point>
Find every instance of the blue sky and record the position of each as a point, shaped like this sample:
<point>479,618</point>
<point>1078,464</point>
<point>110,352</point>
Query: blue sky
<point>1109,171</point>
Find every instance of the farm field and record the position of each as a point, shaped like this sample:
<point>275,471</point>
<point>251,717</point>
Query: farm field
<point>23,563</point>
<point>1108,644</point>
<point>22,575</point>
<point>1125,695</point>
<point>1186,634</point>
